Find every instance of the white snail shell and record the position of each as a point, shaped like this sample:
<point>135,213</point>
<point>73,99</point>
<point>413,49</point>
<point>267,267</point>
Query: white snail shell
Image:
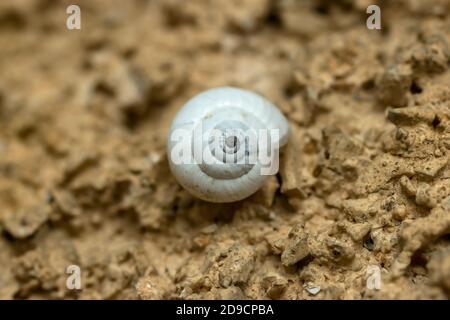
<point>232,113</point>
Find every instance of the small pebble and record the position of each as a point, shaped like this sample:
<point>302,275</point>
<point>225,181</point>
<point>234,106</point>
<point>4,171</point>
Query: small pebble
<point>312,289</point>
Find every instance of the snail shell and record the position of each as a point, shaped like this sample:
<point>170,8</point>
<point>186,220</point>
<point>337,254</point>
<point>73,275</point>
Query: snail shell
<point>230,129</point>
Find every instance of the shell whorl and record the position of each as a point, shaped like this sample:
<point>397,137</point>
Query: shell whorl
<point>222,125</point>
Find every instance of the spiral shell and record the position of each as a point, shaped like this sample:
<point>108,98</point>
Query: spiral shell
<point>218,141</point>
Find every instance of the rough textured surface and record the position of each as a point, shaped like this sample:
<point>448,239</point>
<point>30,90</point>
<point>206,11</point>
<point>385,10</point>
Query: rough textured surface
<point>364,180</point>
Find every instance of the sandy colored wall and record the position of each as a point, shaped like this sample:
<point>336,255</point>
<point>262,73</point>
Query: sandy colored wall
<point>364,181</point>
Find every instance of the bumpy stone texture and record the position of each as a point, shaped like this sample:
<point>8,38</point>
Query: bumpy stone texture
<point>364,182</point>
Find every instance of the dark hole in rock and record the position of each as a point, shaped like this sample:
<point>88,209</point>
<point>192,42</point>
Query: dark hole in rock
<point>436,121</point>
<point>336,253</point>
<point>273,19</point>
<point>322,9</point>
<point>419,260</point>
<point>415,88</point>
<point>368,242</point>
